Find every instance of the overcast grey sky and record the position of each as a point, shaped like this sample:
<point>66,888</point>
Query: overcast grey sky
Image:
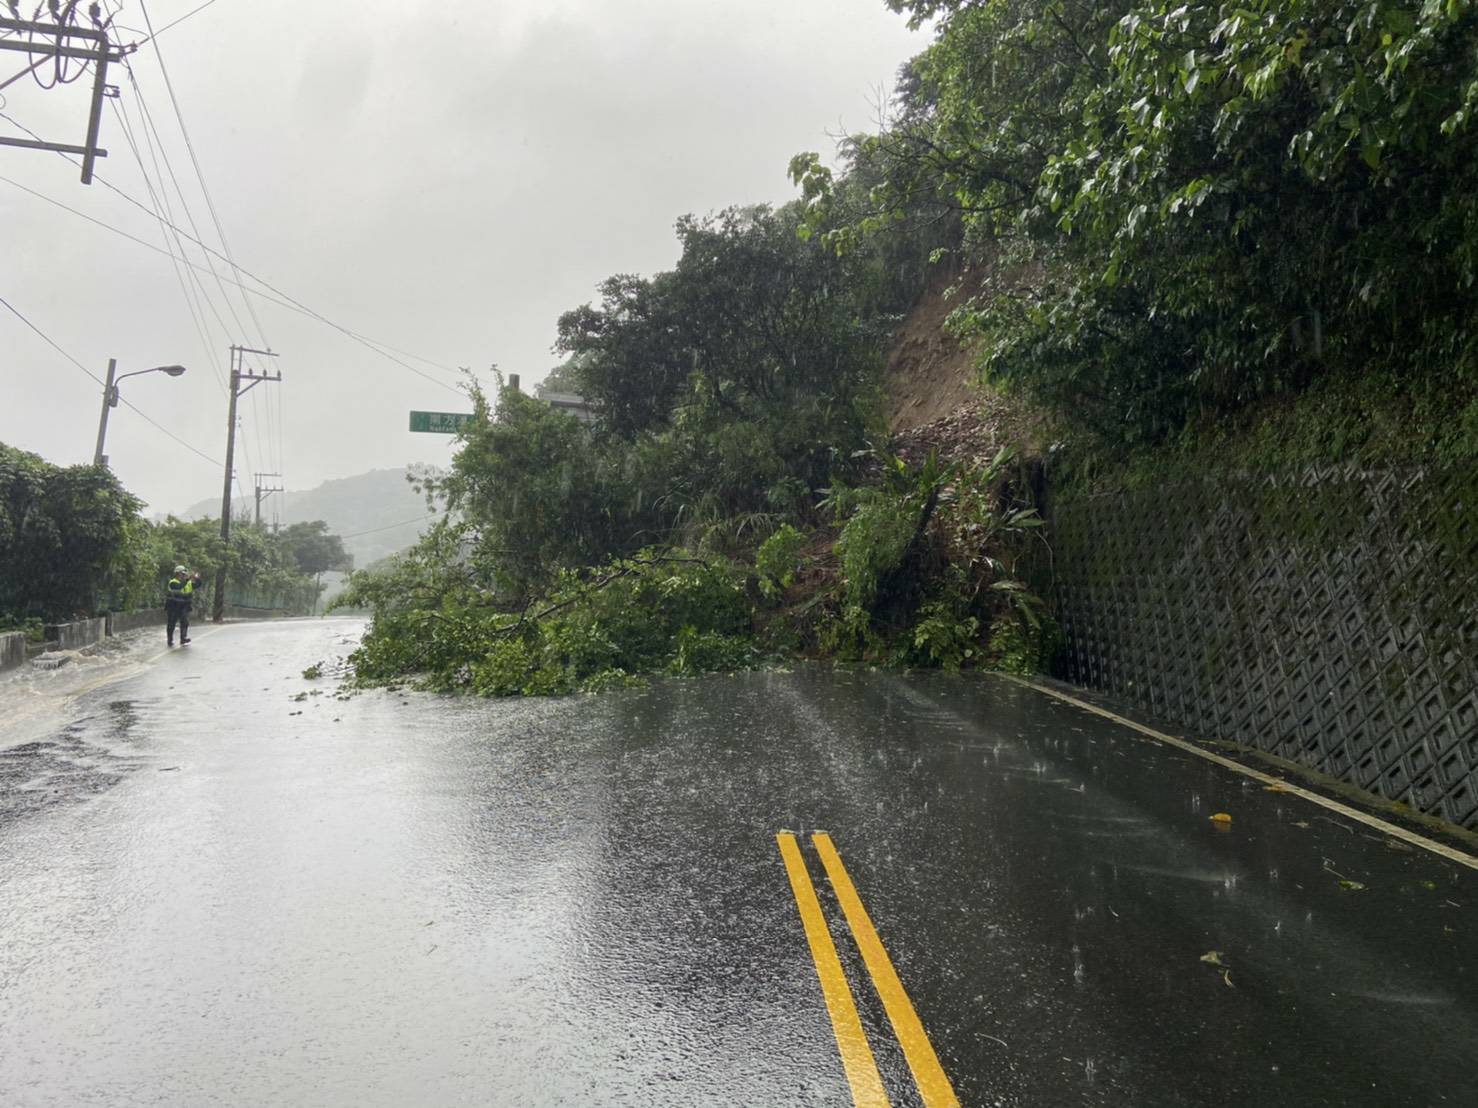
<point>446,179</point>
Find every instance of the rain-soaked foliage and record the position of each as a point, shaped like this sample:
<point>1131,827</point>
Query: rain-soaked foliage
<point>1182,210</point>
<point>73,543</point>
<point>66,534</point>
<point>726,507</point>
<point>914,566</point>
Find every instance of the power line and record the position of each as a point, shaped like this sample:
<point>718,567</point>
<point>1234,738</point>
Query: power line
<point>383,349</point>
<point>197,268</point>
<point>49,341</point>
<point>118,231</point>
<point>177,22</point>
<point>287,301</point>
<point>53,344</point>
<point>189,215</point>
<point>159,150</point>
<point>199,295</point>
<point>196,315</point>
<point>199,174</point>
<point>387,527</point>
<point>196,293</point>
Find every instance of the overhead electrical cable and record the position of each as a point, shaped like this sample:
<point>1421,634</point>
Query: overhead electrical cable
<point>251,444</point>
<point>200,174</point>
<point>194,266</point>
<point>387,527</point>
<point>157,151</point>
<point>197,293</point>
<point>189,213</point>
<point>282,299</point>
<point>176,21</point>
<point>155,141</point>
<point>164,215</point>
<point>384,349</point>
<point>125,234</point>
<point>127,404</point>
<point>51,342</point>
<point>196,314</point>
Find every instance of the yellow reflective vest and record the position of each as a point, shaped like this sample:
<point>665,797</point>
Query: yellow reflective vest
<point>179,592</point>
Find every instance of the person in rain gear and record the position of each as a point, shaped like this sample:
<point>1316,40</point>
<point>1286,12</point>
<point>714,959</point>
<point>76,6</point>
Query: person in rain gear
<point>177,597</point>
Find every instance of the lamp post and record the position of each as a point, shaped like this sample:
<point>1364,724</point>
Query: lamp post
<point>110,400</point>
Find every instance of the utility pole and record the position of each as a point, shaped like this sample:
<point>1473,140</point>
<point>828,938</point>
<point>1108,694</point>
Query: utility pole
<point>253,379</point>
<point>263,493</point>
<point>63,51</point>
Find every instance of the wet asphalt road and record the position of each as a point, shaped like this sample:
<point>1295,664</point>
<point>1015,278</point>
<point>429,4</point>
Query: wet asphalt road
<point>398,899</point>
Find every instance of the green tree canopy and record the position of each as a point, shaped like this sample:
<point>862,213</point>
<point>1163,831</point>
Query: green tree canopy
<point>751,317</point>
<point>62,530</point>
<point>1190,207</point>
<point>73,543</point>
<point>314,549</point>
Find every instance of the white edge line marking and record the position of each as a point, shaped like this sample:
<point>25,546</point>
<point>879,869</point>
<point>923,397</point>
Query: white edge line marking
<point>1440,849</point>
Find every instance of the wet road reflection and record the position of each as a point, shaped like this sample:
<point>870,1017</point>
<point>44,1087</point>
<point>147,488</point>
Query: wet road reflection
<point>213,892</point>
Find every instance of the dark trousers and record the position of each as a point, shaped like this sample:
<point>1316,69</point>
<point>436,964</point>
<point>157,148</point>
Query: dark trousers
<point>177,613</point>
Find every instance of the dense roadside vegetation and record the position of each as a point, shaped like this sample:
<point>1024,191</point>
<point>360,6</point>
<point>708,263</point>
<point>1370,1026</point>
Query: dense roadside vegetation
<point>733,504</point>
<point>73,543</point>
<point>1185,226</point>
<point>1186,213</point>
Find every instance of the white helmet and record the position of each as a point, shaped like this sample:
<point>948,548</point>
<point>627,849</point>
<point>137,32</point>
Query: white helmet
<point>181,570</point>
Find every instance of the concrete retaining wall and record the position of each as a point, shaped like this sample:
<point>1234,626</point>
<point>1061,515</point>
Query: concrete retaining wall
<point>74,636</point>
<point>1329,616</point>
<point>12,649</point>
<point>119,622</point>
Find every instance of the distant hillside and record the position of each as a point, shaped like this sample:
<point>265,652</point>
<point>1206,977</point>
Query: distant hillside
<point>377,513</point>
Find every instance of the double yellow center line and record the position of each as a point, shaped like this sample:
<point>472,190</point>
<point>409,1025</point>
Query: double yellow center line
<point>857,1058</point>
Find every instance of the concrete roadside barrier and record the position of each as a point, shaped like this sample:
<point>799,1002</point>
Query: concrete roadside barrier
<point>12,650</point>
<point>119,622</point>
<point>77,634</point>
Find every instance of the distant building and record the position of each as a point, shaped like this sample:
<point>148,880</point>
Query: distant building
<point>570,404</point>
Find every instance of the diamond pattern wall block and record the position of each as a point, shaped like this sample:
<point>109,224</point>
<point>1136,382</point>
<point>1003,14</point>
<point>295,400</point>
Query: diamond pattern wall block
<point>1329,615</point>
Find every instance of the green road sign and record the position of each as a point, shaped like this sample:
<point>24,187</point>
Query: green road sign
<point>440,423</point>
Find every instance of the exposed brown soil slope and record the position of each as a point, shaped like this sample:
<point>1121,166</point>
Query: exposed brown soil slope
<point>934,401</point>
<point>929,370</point>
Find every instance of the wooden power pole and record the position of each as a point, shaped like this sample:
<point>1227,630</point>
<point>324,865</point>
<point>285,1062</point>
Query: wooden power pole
<point>252,379</point>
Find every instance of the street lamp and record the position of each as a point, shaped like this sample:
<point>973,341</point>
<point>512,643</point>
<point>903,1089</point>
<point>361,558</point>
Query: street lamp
<point>110,400</point>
